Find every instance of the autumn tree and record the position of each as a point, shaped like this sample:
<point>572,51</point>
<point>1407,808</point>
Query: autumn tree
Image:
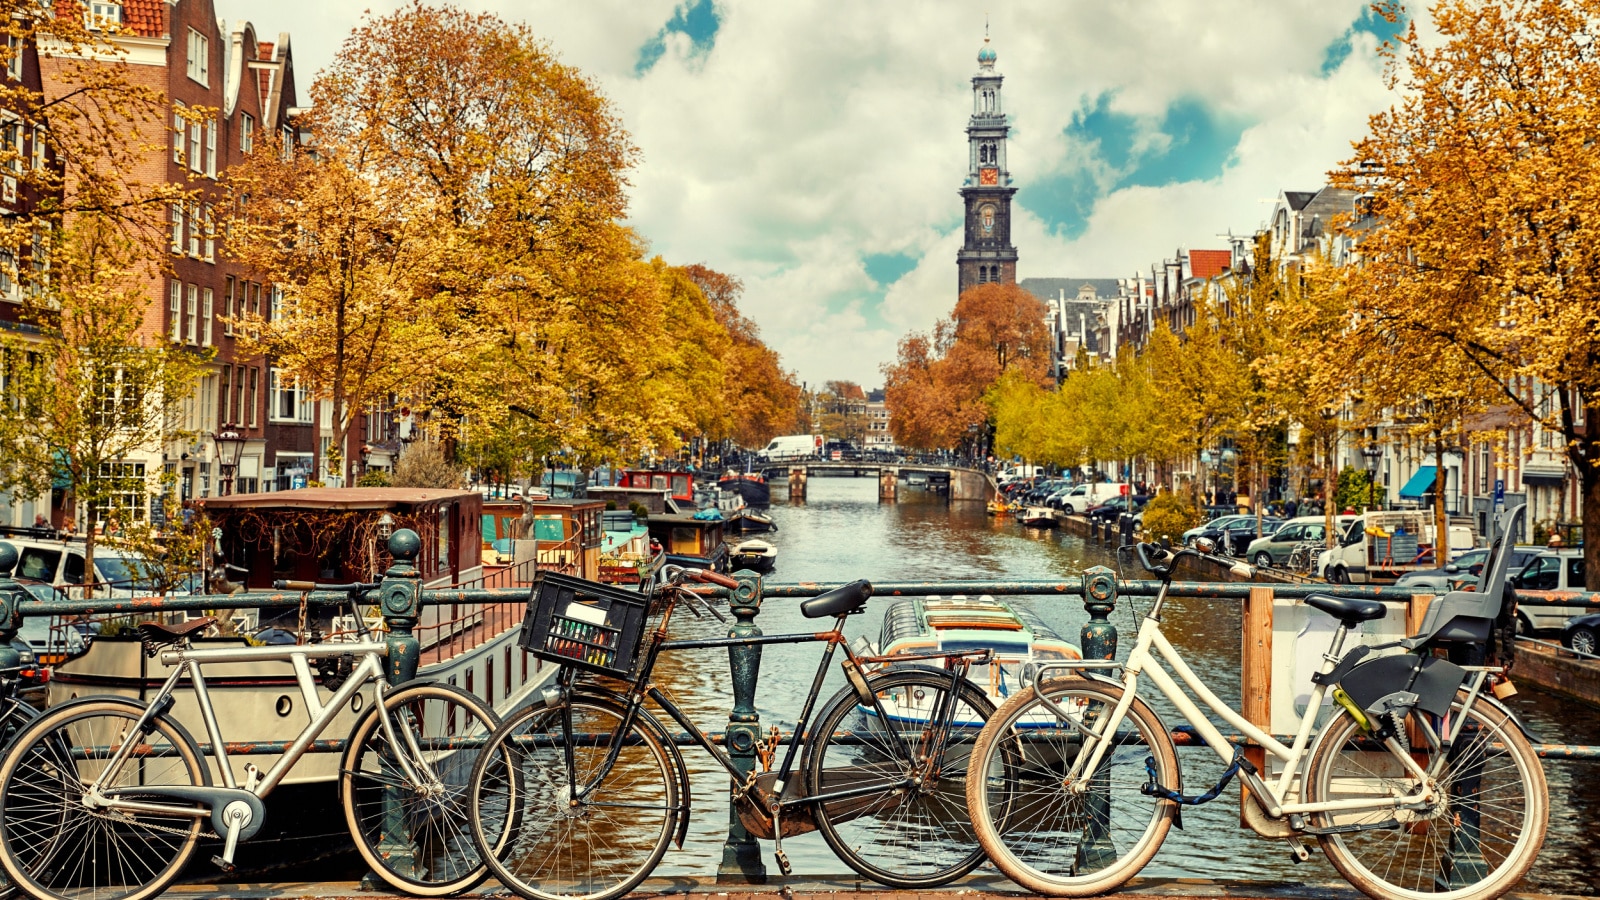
<point>1483,181</point>
<point>761,398</point>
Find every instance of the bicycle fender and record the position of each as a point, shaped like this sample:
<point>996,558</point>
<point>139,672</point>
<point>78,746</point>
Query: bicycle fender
<point>141,706</point>
<point>675,757</point>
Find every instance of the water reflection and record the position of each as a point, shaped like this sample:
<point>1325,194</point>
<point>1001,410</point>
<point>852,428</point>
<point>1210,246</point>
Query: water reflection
<point>843,533</point>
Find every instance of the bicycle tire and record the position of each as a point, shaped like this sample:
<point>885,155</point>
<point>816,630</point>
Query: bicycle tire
<point>17,714</point>
<point>55,848</point>
<point>598,849</point>
<point>1477,774</point>
<point>1041,833</point>
<point>415,834</point>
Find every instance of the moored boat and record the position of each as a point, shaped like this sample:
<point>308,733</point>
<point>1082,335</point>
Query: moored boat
<point>745,521</point>
<point>1038,517</point>
<point>1000,509</point>
<point>752,486</point>
<point>755,554</point>
<point>1014,632</point>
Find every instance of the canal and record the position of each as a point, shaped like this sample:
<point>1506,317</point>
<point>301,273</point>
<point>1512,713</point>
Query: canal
<point>842,533</point>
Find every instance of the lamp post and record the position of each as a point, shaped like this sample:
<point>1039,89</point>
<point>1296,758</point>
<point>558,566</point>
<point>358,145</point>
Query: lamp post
<point>230,443</point>
<point>1372,452</point>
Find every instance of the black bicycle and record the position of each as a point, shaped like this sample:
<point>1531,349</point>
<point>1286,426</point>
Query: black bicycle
<point>598,789</point>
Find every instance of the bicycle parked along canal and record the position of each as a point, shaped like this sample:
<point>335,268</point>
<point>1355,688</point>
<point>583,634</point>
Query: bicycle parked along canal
<point>106,797</point>
<point>1420,784</point>
<point>598,788</point>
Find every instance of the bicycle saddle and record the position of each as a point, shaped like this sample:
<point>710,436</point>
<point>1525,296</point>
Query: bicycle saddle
<point>1348,610</point>
<point>154,635</point>
<point>840,600</point>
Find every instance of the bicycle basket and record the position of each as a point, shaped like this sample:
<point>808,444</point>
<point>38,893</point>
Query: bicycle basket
<point>584,624</point>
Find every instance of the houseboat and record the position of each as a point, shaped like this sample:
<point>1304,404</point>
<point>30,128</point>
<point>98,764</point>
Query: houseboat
<point>1014,632</point>
<point>331,535</point>
<point>691,540</point>
<point>626,553</point>
<point>752,486</point>
<point>564,536</point>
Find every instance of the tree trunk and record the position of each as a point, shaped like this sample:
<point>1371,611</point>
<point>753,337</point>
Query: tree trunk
<point>1441,519</point>
<point>1589,480</point>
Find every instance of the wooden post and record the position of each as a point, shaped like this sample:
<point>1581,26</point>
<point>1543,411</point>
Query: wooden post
<point>1255,676</point>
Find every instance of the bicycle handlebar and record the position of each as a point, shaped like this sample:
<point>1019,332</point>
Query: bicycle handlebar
<point>706,575</point>
<point>1164,571</point>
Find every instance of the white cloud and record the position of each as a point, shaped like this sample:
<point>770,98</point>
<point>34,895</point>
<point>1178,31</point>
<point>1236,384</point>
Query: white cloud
<point>819,132</point>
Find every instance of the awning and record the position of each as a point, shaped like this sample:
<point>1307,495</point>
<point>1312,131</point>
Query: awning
<point>1550,476</point>
<point>1420,485</point>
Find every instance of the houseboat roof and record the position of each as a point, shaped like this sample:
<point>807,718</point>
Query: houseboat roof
<point>336,498</point>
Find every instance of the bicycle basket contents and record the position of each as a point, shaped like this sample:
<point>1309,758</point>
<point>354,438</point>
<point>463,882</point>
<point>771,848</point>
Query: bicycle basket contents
<point>584,624</point>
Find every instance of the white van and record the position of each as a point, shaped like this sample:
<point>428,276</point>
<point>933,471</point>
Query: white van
<point>61,564</point>
<point>1080,498</point>
<point>1017,473</point>
<point>1381,545</point>
<point>792,447</point>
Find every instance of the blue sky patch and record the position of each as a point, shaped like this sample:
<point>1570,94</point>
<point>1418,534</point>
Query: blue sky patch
<point>697,19</point>
<point>886,268</point>
<point>1368,22</point>
<point>1191,142</point>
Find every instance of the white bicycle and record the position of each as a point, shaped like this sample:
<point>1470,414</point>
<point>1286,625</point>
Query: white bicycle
<point>1420,784</point>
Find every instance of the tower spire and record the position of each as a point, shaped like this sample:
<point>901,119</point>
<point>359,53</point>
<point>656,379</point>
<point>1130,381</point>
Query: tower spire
<point>986,254</point>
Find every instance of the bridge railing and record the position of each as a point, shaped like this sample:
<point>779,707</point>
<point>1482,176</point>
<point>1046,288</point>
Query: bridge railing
<point>401,598</point>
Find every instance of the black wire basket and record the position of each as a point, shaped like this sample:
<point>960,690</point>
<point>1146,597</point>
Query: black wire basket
<point>585,624</point>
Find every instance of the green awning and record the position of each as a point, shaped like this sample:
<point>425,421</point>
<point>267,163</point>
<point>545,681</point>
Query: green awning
<point>1420,484</point>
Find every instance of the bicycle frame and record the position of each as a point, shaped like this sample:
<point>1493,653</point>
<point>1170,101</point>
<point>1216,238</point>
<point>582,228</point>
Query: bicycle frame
<point>189,662</point>
<point>641,688</point>
<point>1147,656</point>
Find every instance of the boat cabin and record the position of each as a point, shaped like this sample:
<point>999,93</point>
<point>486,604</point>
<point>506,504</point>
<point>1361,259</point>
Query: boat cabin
<point>690,540</point>
<point>336,534</point>
<point>569,534</point>
<point>679,484</point>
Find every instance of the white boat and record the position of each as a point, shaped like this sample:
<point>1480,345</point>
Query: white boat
<point>1038,517</point>
<point>1014,632</point>
<point>755,554</point>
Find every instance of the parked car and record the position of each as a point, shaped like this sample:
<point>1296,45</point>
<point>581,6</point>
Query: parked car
<point>1464,570</point>
<point>1233,538</point>
<point>1551,570</point>
<point>33,679</point>
<point>1582,633</point>
<point>1212,525</point>
<point>120,573</point>
<point>1115,507</point>
<point>51,640</point>
<point>1274,549</point>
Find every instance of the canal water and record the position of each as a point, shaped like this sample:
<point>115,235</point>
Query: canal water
<point>842,533</point>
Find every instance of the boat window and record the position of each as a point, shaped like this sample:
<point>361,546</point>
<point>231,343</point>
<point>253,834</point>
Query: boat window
<point>685,540</point>
<point>444,540</point>
<point>680,485</point>
<point>659,482</point>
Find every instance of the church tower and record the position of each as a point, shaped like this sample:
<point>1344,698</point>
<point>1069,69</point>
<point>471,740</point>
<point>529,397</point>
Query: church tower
<point>986,253</point>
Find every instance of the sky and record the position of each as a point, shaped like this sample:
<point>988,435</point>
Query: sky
<point>814,149</point>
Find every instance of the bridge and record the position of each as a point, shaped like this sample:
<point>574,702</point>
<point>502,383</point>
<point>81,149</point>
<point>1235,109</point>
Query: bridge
<point>954,482</point>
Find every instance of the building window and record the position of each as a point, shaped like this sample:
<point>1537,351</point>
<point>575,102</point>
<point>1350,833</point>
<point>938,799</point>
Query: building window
<point>41,139</point>
<point>194,230</point>
<point>275,294</point>
<point>98,13</point>
<point>14,56</point>
<point>175,308</point>
<point>225,397</point>
<point>192,310</point>
<point>238,390</point>
<point>124,491</point>
<point>247,133</point>
<point>211,147</point>
<point>206,303</point>
<point>195,144</point>
<point>177,228</point>
<point>289,400</point>
<point>255,397</point>
<point>199,58</point>
<point>227,306</point>
<point>255,308</point>
<point>287,136</point>
<point>210,236</point>
<point>179,128</point>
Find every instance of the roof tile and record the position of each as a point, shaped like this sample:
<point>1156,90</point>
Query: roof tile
<point>147,18</point>
<point>1209,263</point>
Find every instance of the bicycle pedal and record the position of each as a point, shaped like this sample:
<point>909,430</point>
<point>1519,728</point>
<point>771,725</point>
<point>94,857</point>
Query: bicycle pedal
<point>227,868</point>
<point>1298,851</point>
<point>783,862</point>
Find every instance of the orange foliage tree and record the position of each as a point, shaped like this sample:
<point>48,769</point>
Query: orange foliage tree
<point>762,400</point>
<point>935,388</point>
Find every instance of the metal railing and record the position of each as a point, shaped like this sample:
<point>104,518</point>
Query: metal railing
<point>400,598</point>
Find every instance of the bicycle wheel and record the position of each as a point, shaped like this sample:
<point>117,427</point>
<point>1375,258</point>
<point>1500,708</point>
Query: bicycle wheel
<point>598,848</point>
<point>915,831</point>
<point>55,847</point>
<point>406,802</point>
<point>1475,842</point>
<point>14,715</point>
<point>1060,836</point>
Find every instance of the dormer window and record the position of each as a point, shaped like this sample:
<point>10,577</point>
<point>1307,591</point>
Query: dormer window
<point>101,13</point>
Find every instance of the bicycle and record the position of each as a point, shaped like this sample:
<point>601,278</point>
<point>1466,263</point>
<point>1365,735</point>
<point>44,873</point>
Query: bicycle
<point>1419,785</point>
<point>600,789</point>
<point>1303,558</point>
<point>15,713</point>
<point>106,797</point>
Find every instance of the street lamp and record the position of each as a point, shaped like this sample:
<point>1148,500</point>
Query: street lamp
<point>1373,453</point>
<point>230,443</point>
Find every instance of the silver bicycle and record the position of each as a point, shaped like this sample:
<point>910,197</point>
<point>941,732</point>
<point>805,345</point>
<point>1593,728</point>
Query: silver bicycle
<point>106,798</point>
<point>1420,784</point>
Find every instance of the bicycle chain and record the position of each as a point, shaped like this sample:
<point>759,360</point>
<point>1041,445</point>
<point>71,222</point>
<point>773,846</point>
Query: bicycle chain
<point>125,820</point>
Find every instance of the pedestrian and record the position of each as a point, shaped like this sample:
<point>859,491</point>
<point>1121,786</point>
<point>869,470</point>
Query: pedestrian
<point>39,521</point>
<point>1555,541</point>
<point>1290,508</point>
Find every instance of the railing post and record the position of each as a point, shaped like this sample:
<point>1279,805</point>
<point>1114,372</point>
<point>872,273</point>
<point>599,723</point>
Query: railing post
<point>741,855</point>
<point>11,597</point>
<point>1098,640</point>
<point>400,596</point>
